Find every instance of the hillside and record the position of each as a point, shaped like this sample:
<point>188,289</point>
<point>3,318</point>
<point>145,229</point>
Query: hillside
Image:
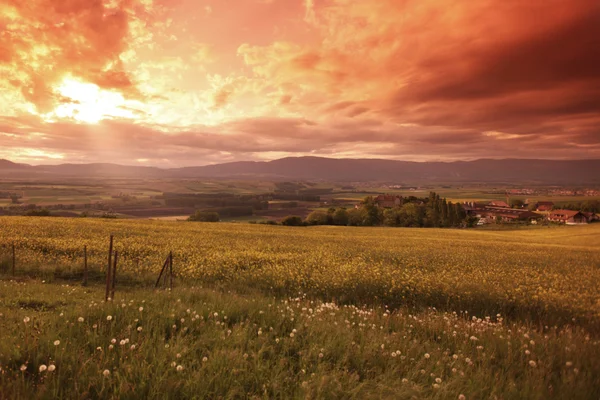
<point>317,168</point>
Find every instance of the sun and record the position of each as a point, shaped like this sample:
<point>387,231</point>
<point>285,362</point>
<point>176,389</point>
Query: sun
<point>88,103</point>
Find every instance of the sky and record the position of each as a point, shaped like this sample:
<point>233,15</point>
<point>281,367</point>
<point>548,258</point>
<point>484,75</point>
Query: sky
<point>176,83</point>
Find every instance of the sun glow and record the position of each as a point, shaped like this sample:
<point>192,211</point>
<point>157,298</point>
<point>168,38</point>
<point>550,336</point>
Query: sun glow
<point>88,103</point>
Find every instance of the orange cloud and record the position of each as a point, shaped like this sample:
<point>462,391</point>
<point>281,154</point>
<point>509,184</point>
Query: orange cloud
<point>419,79</point>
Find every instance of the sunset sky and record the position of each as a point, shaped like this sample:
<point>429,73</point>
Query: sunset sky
<point>194,82</point>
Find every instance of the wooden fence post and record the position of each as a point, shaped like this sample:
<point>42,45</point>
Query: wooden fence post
<point>14,259</point>
<point>171,270</point>
<point>165,265</point>
<point>85,266</point>
<point>109,267</point>
<point>114,275</point>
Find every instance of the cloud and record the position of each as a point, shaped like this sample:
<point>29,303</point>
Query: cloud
<point>310,15</point>
<point>411,79</point>
<point>42,40</point>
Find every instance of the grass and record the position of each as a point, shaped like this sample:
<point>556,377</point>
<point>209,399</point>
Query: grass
<point>245,344</point>
<point>527,274</point>
<point>311,312</point>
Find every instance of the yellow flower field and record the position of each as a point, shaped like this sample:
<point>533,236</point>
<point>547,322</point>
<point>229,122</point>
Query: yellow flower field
<point>550,274</point>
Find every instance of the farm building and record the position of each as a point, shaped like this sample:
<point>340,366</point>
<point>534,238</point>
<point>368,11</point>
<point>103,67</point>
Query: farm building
<point>487,213</point>
<point>388,201</point>
<point>568,217</point>
<point>544,206</point>
<point>498,203</point>
<point>592,217</point>
<point>510,214</point>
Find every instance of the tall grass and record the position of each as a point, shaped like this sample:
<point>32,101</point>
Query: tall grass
<point>208,343</point>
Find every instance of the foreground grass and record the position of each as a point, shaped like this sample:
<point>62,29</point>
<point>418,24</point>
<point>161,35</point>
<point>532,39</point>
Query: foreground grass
<point>213,343</point>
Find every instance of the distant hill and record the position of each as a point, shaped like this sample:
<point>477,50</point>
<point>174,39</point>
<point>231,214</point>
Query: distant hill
<point>317,168</point>
<point>9,165</point>
<point>507,170</point>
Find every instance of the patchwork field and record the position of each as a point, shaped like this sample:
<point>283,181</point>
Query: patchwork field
<point>313,312</point>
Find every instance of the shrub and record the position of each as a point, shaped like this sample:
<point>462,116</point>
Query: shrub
<point>204,216</point>
<point>292,220</point>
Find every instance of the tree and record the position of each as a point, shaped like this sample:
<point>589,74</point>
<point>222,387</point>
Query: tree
<point>355,217</point>
<point>340,217</point>
<point>317,218</point>
<point>205,216</point>
<point>292,220</point>
<point>411,215</point>
<point>517,203</point>
<point>392,217</point>
<point>372,214</point>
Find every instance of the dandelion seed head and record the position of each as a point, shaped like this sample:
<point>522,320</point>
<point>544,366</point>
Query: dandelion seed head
<point>43,367</point>
<point>106,373</point>
<point>51,367</point>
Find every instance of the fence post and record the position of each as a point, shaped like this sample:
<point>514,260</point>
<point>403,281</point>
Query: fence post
<point>14,259</point>
<point>114,275</point>
<point>85,266</point>
<point>161,272</point>
<point>171,270</point>
<point>110,249</point>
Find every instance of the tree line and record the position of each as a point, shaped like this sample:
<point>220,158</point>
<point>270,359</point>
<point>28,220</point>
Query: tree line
<point>431,211</point>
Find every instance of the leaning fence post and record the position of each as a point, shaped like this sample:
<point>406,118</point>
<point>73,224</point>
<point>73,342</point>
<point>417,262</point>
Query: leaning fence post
<point>110,248</point>
<point>14,259</point>
<point>85,266</point>
<point>161,272</point>
<point>114,275</point>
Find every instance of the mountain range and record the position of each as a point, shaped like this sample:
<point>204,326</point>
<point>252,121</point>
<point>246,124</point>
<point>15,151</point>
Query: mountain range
<point>329,169</point>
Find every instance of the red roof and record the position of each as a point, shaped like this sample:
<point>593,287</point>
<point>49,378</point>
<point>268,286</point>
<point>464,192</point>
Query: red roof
<point>564,213</point>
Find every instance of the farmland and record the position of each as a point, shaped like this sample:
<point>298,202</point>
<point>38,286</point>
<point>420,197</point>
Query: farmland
<point>377,312</point>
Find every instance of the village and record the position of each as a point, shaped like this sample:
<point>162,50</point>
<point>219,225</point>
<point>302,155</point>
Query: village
<point>499,211</point>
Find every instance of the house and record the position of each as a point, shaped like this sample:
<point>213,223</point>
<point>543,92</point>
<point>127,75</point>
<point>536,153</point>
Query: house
<point>388,201</point>
<point>591,217</point>
<point>568,217</point>
<point>544,206</point>
<point>488,214</point>
<point>510,214</point>
<point>498,203</point>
